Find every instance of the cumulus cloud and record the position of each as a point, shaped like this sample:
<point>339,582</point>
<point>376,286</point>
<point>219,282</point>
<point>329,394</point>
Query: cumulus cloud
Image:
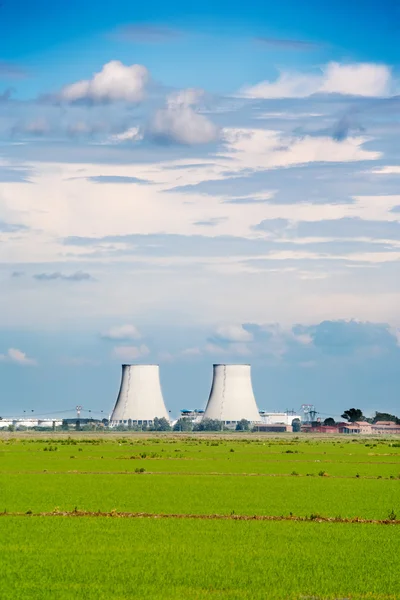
<point>233,333</point>
<point>357,79</point>
<point>130,353</point>
<point>78,276</point>
<point>122,332</point>
<point>133,134</point>
<point>115,82</point>
<point>186,97</point>
<point>13,355</point>
<point>299,343</point>
<point>180,122</point>
<point>260,148</point>
<point>349,337</point>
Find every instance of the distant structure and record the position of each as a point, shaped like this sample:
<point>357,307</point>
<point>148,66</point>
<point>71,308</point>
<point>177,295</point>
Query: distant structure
<point>29,423</point>
<point>278,418</point>
<point>194,415</point>
<point>231,397</point>
<point>140,398</point>
<point>308,412</point>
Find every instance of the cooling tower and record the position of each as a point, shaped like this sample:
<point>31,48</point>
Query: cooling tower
<point>231,397</point>
<point>140,398</point>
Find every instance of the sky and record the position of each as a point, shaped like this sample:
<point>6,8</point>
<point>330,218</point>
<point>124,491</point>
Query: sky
<point>197,184</point>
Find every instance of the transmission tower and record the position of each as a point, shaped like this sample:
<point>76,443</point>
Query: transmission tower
<point>308,413</point>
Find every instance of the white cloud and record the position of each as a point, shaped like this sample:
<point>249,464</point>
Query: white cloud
<point>388,170</point>
<point>234,333</point>
<point>16,356</point>
<point>179,122</point>
<point>122,332</point>
<point>133,134</point>
<point>130,353</point>
<point>358,79</point>
<point>186,97</point>
<point>261,149</point>
<point>114,82</point>
<point>395,331</point>
<point>304,338</point>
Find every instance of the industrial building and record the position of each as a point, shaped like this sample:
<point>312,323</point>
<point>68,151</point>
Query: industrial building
<point>278,418</point>
<point>194,415</point>
<point>273,427</point>
<point>231,398</point>
<point>30,423</point>
<point>140,398</point>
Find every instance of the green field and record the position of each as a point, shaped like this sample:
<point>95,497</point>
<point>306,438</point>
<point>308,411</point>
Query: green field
<point>301,481</point>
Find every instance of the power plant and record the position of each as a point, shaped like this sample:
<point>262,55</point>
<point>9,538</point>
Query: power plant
<point>231,398</point>
<point>140,403</point>
<point>140,398</point>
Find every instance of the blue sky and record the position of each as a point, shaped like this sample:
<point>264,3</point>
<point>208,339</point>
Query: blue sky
<point>189,185</point>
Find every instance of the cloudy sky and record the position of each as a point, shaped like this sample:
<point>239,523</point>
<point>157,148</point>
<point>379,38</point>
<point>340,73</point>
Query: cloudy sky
<point>194,185</point>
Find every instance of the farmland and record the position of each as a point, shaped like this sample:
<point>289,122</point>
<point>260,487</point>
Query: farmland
<point>72,517</point>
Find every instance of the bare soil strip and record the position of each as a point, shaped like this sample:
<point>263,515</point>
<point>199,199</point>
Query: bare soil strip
<point>315,518</point>
<point>201,474</point>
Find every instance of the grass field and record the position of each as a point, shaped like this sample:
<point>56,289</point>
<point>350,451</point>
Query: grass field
<point>118,556</point>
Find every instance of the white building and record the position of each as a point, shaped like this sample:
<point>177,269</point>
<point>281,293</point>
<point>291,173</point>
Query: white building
<point>30,423</point>
<point>275,418</point>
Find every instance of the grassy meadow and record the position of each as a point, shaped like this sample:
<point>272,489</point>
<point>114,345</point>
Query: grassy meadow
<point>56,541</point>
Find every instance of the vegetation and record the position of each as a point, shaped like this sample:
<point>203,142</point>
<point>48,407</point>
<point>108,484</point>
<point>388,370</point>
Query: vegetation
<point>243,425</point>
<point>316,489</point>
<point>208,425</point>
<point>353,414</point>
<point>183,424</point>
<point>379,416</point>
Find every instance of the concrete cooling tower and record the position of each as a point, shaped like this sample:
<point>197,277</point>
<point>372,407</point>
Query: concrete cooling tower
<point>140,398</point>
<point>231,397</point>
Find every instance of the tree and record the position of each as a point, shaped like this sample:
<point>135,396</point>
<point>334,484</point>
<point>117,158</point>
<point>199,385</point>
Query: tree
<point>243,425</point>
<point>385,417</point>
<point>183,424</point>
<point>296,425</point>
<point>161,424</point>
<point>353,414</point>
<point>208,425</point>
<point>330,422</point>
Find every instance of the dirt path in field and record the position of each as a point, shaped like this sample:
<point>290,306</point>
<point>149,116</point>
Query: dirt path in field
<point>202,474</point>
<point>315,518</point>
